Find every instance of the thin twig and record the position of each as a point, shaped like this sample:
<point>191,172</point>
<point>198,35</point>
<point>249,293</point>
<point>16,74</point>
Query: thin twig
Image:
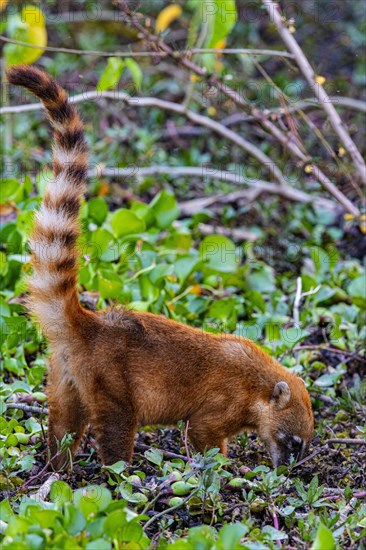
<point>171,509</point>
<point>346,441</point>
<point>286,140</point>
<point>309,457</point>
<point>298,296</point>
<point>186,441</point>
<point>167,454</point>
<point>178,53</point>
<point>27,408</point>
<point>201,120</point>
<point>320,93</point>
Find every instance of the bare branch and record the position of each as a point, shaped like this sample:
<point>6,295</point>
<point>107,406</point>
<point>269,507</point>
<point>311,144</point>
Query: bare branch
<point>345,441</point>
<point>320,93</point>
<point>27,408</point>
<point>201,120</point>
<point>178,53</point>
<point>286,140</point>
<point>208,172</point>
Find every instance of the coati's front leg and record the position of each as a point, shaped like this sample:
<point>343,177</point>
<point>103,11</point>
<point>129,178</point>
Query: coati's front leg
<point>204,435</point>
<point>115,424</point>
<point>66,413</point>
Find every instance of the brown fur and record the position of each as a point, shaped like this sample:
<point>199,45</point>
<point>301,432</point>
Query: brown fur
<point>121,369</point>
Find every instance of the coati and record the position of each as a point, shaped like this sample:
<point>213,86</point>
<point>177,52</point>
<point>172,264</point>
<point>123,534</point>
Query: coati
<point>120,369</point>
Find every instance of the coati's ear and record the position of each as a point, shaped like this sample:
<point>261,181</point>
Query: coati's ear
<point>281,394</point>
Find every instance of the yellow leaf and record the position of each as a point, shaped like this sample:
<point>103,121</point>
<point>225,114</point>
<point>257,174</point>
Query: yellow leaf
<point>211,111</point>
<point>194,78</point>
<point>292,29</point>
<point>320,80</point>
<point>166,16</point>
<point>33,16</point>
<point>363,223</point>
<point>220,44</point>
<point>341,151</point>
<point>3,4</point>
<point>308,169</point>
<point>33,31</point>
<point>349,217</point>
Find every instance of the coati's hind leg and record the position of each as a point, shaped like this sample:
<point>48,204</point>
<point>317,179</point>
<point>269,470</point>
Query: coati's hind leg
<point>66,413</point>
<point>115,424</point>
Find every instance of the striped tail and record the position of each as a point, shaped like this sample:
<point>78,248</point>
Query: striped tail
<point>53,284</point>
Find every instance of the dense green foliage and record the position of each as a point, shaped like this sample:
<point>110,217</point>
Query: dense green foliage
<point>138,250</point>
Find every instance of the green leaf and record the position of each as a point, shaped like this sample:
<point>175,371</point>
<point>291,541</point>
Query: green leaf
<point>98,210</point>
<point>60,492</point>
<point>154,456</point>
<point>221,17</point>
<point>324,539</point>
<point>125,222</point>
<point>135,71</point>
<point>98,544</point>
<point>262,280</point>
<point>358,286</point>
<point>109,284</point>
<point>111,74</point>
<point>43,179</point>
<point>184,267</point>
<point>219,253</point>
<point>231,534</point>
<point>165,209</point>
<point>6,513</point>
<point>74,520</point>
<point>30,27</point>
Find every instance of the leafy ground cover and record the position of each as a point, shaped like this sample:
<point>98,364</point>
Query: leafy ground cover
<point>143,248</point>
<point>216,501</point>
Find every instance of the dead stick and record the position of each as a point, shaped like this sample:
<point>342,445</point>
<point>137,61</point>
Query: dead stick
<point>346,441</point>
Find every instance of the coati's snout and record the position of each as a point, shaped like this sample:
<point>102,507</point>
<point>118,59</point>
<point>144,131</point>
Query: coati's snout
<point>290,423</point>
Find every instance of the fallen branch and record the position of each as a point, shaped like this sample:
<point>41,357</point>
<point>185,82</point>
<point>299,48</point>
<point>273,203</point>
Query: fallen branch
<point>27,408</point>
<point>320,93</point>
<point>45,488</point>
<point>285,139</point>
<point>346,441</point>
<point>236,234</point>
<point>201,120</point>
<point>210,172</point>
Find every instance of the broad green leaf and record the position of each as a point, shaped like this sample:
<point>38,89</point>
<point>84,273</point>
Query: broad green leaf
<point>98,210</point>
<point>111,74</point>
<point>221,16</point>
<point>230,535</point>
<point>135,71</point>
<point>125,222</point>
<point>110,284</point>
<point>324,539</point>
<point>219,253</point>
<point>154,456</point>
<point>43,179</point>
<point>358,286</point>
<point>99,544</point>
<point>60,492</point>
<point>165,209</point>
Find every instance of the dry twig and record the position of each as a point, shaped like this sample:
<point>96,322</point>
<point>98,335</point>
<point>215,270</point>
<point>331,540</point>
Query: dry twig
<point>320,93</point>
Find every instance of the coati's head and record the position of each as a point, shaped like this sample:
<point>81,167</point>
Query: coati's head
<point>287,423</point>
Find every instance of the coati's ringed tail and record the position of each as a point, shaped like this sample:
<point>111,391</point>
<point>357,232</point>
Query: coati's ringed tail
<point>53,284</point>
